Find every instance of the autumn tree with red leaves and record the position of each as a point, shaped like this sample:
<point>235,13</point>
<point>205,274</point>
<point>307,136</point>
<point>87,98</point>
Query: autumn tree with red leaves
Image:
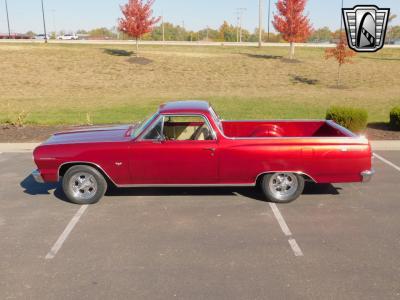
<point>138,19</point>
<point>342,53</point>
<point>290,21</point>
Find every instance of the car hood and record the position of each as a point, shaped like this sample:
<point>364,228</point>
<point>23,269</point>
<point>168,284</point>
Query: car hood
<point>92,135</point>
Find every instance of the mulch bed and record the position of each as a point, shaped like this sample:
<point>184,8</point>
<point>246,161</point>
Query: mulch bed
<point>139,61</point>
<point>28,134</point>
<point>32,133</point>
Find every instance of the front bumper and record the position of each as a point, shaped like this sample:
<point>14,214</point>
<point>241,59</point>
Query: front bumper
<point>37,176</point>
<point>367,175</point>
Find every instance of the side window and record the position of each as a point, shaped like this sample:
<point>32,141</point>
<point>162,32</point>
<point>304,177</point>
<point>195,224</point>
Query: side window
<point>186,128</point>
<point>155,132</point>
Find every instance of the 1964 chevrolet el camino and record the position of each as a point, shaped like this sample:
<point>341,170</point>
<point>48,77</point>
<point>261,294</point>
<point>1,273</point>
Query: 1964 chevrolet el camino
<point>187,144</point>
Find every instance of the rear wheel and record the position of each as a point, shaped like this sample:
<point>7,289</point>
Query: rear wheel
<point>84,185</point>
<point>282,187</point>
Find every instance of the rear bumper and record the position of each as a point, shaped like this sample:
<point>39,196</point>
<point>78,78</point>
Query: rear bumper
<point>37,176</point>
<point>367,175</point>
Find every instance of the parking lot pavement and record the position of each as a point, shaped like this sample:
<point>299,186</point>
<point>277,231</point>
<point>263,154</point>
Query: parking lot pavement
<point>200,243</point>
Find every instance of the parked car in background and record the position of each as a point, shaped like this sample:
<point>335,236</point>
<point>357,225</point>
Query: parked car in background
<point>67,37</point>
<point>187,144</point>
<point>42,36</point>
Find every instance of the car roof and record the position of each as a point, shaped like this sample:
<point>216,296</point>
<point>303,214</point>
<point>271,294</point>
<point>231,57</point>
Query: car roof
<point>191,106</point>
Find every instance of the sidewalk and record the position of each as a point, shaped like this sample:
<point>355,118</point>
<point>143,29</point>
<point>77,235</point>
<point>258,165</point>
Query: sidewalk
<point>28,147</point>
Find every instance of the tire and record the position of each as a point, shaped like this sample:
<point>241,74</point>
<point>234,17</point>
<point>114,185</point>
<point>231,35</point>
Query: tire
<point>282,187</point>
<point>84,185</point>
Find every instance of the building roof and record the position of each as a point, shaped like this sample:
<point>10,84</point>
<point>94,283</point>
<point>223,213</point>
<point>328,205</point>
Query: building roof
<point>185,107</point>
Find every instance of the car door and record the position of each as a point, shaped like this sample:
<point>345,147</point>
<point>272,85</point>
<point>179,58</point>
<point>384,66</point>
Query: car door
<point>176,150</point>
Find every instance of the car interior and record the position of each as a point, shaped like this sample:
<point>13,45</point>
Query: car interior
<point>181,128</point>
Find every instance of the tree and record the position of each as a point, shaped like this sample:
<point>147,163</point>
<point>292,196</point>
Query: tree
<point>291,23</point>
<point>137,19</point>
<point>31,34</point>
<point>390,33</point>
<point>101,33</point>
<point>323,34</point>
<point>227,32</point>
<point>342,53</point>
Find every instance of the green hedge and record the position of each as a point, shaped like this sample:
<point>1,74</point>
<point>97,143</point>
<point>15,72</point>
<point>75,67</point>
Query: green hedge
<point>354,119</point>
<point>395,118</point>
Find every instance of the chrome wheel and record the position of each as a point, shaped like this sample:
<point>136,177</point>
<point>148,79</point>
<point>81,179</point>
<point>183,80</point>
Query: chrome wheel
<point>83,186</point>
<point>283,185</point>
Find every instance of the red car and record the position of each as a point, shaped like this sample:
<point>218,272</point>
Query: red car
<point>187,144</point>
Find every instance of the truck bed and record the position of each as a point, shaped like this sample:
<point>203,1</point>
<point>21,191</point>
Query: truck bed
<point>247,129</point>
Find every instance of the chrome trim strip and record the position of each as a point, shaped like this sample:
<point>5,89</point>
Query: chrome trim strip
<point>295,172</point>
<point>341,128</point>
<point>84,162</point>
<point>187,185</point>
<point>367,175</point>
<point>37,176</point>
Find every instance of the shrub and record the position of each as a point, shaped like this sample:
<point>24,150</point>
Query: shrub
<point>354,119</point>
<point>395,118</point>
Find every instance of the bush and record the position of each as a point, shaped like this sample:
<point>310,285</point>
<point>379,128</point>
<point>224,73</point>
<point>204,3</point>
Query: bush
<point>395,118</point>
<point>354,119</point>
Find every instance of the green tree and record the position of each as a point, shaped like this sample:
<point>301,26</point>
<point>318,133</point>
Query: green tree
<point>31,34</point>
<point>227,32</point>
<point>101,33</point>
<point>323,34</point>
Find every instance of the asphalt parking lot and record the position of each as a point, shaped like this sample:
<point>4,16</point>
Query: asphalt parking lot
<point>335,242</point>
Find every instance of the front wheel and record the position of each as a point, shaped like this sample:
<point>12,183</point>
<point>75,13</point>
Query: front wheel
<point>84,185</point>
<point>282,187</point>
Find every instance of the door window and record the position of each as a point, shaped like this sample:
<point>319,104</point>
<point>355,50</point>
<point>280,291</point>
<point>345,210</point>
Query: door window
<point>186,128</point>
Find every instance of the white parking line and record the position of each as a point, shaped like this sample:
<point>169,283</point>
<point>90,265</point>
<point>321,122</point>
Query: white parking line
<point>57,246</point>
<point>387,162</point>
<point>285,228</point>
<point>280,219</point>
<point>295,247</point>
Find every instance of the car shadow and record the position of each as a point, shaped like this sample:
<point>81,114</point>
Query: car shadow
<point>31,187</point>
<point>247,192</point>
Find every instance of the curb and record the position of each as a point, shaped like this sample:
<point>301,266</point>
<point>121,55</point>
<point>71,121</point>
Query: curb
<point>28,147</point>
<point>385,145</point>
<point>17,147</point>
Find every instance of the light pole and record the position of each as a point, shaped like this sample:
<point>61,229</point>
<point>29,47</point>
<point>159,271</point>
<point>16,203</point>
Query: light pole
<point>240,12</point>
<point>44,24</point>
<point>269,16</point>
<point>341,19</point>
<point>260,22</point>
<point>163,28</point>
<point>8,21</point>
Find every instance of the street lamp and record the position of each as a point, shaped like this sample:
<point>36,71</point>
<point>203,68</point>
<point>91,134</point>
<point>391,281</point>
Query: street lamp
<point>260,22</point>
<point>269,16</point>
<point>44,24</point>
<point>8,21</point>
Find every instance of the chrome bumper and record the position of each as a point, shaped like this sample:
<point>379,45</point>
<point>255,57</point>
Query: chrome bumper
<point>37,176</point>
<point>367,175</point>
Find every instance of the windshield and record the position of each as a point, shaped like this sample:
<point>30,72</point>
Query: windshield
<point>142,125</point>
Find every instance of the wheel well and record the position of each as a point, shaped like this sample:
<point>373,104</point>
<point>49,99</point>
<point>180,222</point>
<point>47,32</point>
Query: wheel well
<point>305,176</point>
<point>65,167</point>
